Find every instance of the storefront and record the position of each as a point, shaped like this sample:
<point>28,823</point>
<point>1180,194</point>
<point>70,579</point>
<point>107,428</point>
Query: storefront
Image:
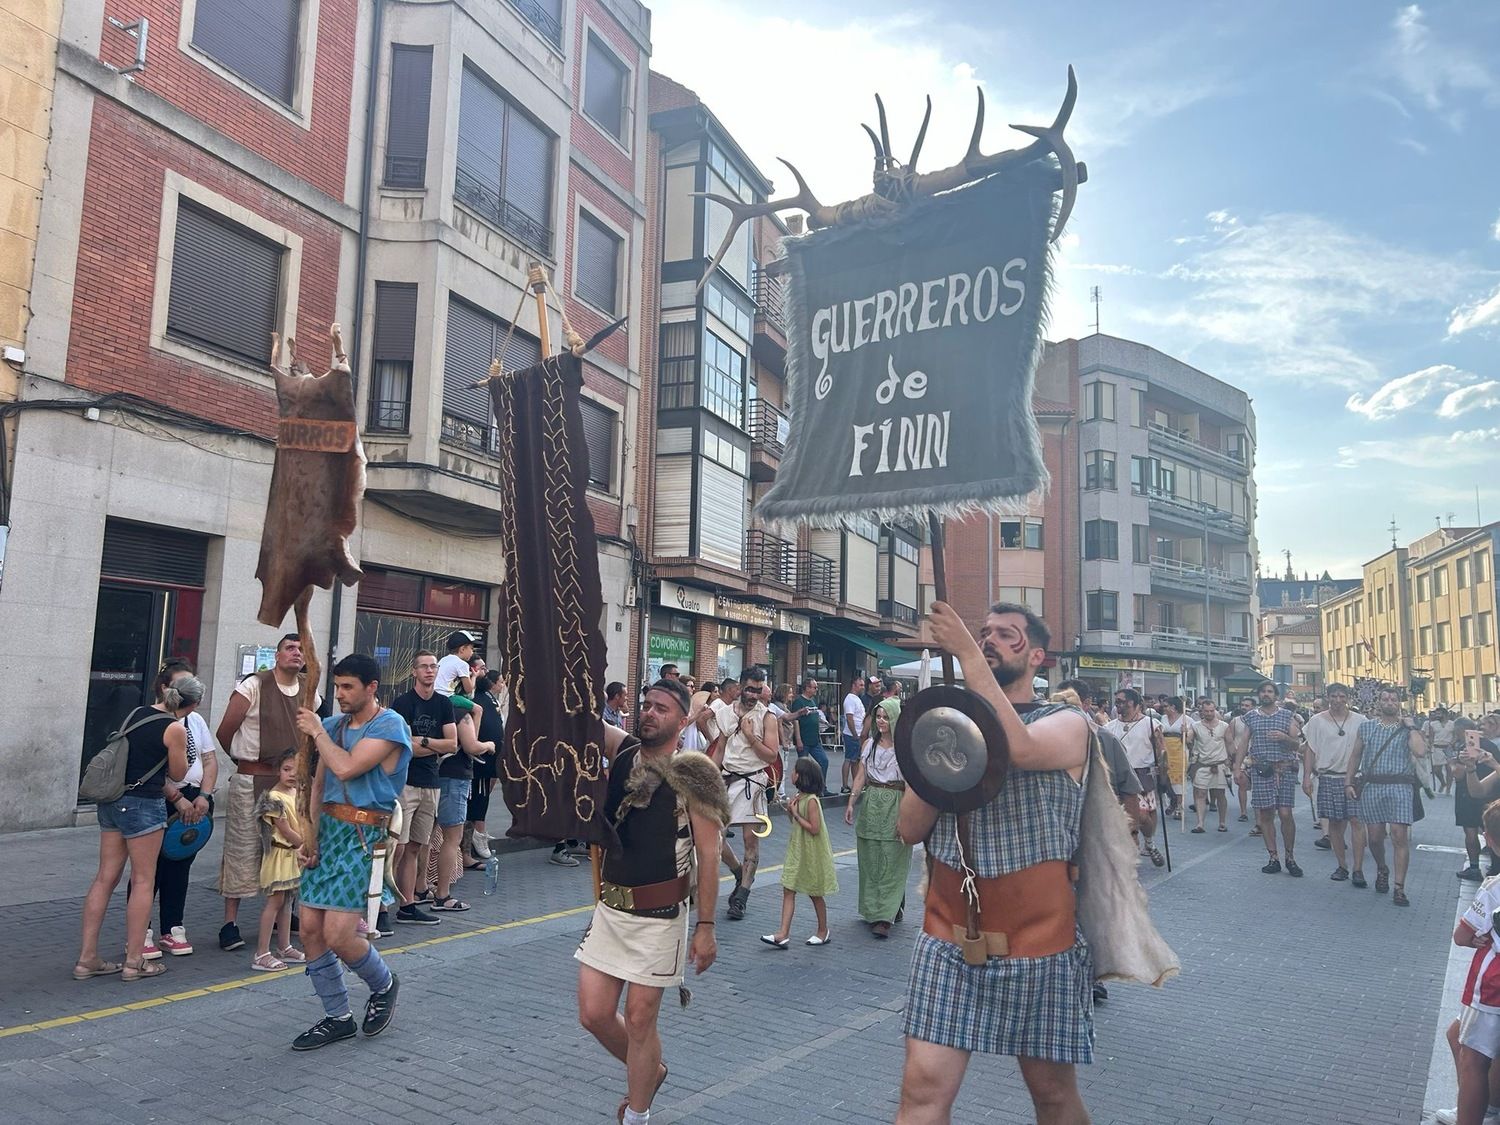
<point>1107,674</point>
<point>670,641</point>
<point>399,613</point>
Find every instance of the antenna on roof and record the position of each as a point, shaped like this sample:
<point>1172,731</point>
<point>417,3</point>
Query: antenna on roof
<point>1393,529</point>
<point>1096,295</point>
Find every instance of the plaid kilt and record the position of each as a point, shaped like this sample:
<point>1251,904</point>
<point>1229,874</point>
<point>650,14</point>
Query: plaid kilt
<point>341,881</point>
<point>1278,792</point>
<point>1386,804</point>
<point>1333,800</point>
<point>1035,1007</point>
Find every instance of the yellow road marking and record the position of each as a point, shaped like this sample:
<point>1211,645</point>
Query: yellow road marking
<point>262,978</point>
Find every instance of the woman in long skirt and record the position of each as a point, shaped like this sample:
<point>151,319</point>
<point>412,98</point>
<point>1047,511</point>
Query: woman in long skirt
<point>884,861</point>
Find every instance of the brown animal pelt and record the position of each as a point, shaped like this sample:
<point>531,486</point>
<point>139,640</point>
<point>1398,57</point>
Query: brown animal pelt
<point>693,777</point>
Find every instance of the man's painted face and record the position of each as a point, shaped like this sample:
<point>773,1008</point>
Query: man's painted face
<point>1006,647</point>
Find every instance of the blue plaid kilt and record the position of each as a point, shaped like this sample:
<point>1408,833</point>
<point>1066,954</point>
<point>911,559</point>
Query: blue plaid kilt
<point>341,881</point>
<point>1386,804</point>
<point>1278,792</point>
<point>1035,1007</point>
<point>1333,800</point>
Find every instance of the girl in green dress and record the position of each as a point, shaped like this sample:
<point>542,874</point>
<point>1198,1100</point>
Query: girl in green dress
<point>808,868</point>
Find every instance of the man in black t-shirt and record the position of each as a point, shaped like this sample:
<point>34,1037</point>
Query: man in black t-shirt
<point>434,733</point>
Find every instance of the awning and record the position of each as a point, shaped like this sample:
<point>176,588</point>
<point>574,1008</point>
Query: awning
<point>887,654</point>
<point>1247,678</point>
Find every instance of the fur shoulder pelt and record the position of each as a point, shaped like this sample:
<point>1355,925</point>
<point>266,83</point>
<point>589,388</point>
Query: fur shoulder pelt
<point>692,776</point>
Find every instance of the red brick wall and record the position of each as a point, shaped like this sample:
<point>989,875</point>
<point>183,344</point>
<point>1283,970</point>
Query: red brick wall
<point>589,138</point>
<point>706,648</point>
<point>316,154</point>
<point>759,648</point>
<point>109,349</point>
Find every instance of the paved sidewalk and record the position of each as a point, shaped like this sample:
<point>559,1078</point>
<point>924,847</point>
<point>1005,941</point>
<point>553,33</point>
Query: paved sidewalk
<point>1301,1001</point>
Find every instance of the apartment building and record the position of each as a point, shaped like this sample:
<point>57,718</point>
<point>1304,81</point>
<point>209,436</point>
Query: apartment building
<point>729,592</point>
<point>244,169</point>
<point>1424,617</point>
<point>1287,648</point>
<point>1165,513</point>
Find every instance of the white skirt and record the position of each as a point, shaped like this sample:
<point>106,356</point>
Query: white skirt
<point>635,949</point>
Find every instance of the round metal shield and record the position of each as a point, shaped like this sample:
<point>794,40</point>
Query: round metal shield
<point>951,748</point>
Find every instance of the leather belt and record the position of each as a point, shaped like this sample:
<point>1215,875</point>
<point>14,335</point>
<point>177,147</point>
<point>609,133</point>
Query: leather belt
<point>650,896</point>
<point>256,767</point>
<point>901,785</point>
<point>352,814</point>
<point>1029,913</point>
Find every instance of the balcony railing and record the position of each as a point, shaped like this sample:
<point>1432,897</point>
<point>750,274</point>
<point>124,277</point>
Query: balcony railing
<point>1180,441</point>
<point>485,200</point>
<point>1173,572</point>
<point>388,415</point>
<point>475,437</point>
<point>901,614</point>
<point>768,427</point>
<point>817,576</point>
<point>768,291</point>
<point>539,17</point>
<point>770,559</point>
<point>1181,642</point>
<point>1191,514</point>
<point>405,171</point>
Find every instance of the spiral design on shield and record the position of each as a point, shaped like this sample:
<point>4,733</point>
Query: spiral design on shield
<point>945,752</point>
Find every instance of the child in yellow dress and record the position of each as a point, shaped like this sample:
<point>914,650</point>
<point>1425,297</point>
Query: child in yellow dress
<point>281,835</point>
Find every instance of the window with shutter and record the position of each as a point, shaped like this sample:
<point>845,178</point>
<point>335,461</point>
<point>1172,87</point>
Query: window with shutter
<point>599,436</point>
<point>394,353</point>
<point>226,285</point>
<point>406,121</point>
<point>258,42</point>
<point>597,262</point>
<point>504,165</point>
<point>474,338</point>
<point>604,78</point>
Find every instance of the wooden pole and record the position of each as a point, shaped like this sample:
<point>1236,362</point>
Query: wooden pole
<point>312,672</point>
<point>940,579</point>
<point>538,280</point>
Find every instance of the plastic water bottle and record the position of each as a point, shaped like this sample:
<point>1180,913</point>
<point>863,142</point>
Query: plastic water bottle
<point>491,874</point>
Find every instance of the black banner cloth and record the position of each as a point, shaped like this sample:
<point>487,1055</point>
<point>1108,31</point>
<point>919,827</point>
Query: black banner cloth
<point>912,350</point>
<point>552,651</point>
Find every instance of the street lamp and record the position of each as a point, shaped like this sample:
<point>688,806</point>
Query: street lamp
<point>1210,515</point>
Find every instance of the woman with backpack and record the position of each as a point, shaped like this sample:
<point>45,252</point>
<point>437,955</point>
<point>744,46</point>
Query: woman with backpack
<point>153,744</point>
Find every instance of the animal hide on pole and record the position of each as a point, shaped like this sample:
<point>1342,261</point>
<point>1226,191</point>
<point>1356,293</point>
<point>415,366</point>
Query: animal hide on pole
<point>312,507</point>
<point>552,765</point>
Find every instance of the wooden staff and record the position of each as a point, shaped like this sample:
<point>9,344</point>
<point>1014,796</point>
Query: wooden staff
<point>312,672</point>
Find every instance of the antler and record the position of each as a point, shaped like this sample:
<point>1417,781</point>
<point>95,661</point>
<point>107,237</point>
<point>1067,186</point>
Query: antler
<point>742,212</point>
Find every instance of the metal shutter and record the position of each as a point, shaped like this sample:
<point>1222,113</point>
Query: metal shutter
<point>721,515</point>
<point>226,284</point>
<point>395,321</point>
<point>481,121</point>
<point>599,436</point>
<point>410,108</point>
<point>604,89</point>
<point>474,338</point>
<point>259,41</point>
<point>598,264</point>
<point>527,171</point>
<point>153,554</point>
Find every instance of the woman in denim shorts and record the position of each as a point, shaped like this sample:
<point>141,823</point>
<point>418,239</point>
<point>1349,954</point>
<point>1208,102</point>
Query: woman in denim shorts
<point>131,826</point>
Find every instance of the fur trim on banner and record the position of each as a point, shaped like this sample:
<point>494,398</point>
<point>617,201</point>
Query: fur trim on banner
<point>692,776</point>
<point>1003,496</point>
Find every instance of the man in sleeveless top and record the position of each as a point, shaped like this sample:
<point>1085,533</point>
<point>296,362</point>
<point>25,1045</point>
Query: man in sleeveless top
<point>363,755</point>
<point>1026,992</point>
<point>1141,737</point>
<point>259,724</point>
<point>746,759</point>
<point>1269,750</point>
<point>1381,778</point>
<point>668,811</point>
<point>1330,736</point>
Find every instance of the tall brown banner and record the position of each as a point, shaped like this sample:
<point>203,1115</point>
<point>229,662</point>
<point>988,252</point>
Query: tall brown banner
<point>552,766</point>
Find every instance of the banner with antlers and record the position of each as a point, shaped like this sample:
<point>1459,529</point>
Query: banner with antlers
<point>911,356</point>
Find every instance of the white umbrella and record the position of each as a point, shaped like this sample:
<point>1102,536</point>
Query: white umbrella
<point>926,670</point>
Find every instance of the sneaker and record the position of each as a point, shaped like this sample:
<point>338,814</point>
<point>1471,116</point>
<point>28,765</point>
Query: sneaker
<point>562,859</point>
<point>149,950</point>
<point>229,938</point>
<point>1324,843</point>
<point>1340,874</point>
<point>327,1030</point>
<point>381,1008</point>
<point>1156,857</point>
<point>176,943</point>
<point>382,925</point>
<point>581,851</point>
<point>1272,868</point>
<point>1292,869</point>
<point>1471,874</point>
<point>737,900</point>
<point>1357,879</point>
<point>414,915</point>
<point>1446,1116</point>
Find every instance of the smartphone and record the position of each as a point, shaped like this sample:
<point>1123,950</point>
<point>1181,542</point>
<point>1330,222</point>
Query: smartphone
<point>1471,745</point>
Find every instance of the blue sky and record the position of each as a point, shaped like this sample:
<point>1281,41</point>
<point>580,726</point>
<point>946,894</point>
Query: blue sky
<point>1301,199</point>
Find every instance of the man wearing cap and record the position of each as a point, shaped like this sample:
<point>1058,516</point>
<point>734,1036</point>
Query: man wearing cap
<point>454,673</point>
<point>1024,986</point>
<point>668,809</point>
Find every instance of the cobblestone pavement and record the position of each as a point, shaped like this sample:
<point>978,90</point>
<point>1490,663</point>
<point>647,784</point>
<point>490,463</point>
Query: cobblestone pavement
<point>1301,1001</point>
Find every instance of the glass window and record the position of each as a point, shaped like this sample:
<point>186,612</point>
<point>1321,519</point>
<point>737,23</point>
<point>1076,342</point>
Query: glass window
<point>1140,611</point>
<point>225,290</point>
<point>1101,539</point>
<point>678,385</point>
<point>504,163</point>
<point>1140,475</point>
<point>1103,609</point>
<point>1140,536</point>
<point>1481,566</point>
<point>599,437</point>
<point>733,311</point>
<point>258,42</point>
<point>1424,640</point>
<point>1099,471</point>
<point>1471,686</point>
<point>1423,588</point>
<point>1033,535</point>
<point>1440,582</point>
<point>1444,636</point>
<point>1486,630</point>
<point>1461,573</point>
<point>1010,535</point>
<point>1099,401</point>
<point>605,92</point>
<point>1465,632</point>
<point>395,332</point>
<point>723,380</point>
<point>597,254</point>
<point>407,116</point>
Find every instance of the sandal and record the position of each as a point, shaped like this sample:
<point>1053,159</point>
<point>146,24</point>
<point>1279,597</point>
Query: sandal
<point>267,963</point>
<point>142,970</point>
<point>625,1102</point>
<point>292,955</point>
<point>1198,830</point>
<point>1382,880</point>
<point>82,970</point>
<point>1223,828</point>
<point>448,903</point>
<point>1398,897</point>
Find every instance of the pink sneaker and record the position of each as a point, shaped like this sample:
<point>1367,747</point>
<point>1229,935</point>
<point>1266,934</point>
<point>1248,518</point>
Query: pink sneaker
<point>149,952</point>
<point>176,943</point>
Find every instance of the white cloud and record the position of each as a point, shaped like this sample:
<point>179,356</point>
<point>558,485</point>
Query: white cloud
<point>1476,314</point>
<point>1437,452</point>
<point>1437,71</point>
<point>1283,292</point>
<point>1479,396</point>
<point>1495,230</point>
<point>1415,145</point>
<point>1402,393</point>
